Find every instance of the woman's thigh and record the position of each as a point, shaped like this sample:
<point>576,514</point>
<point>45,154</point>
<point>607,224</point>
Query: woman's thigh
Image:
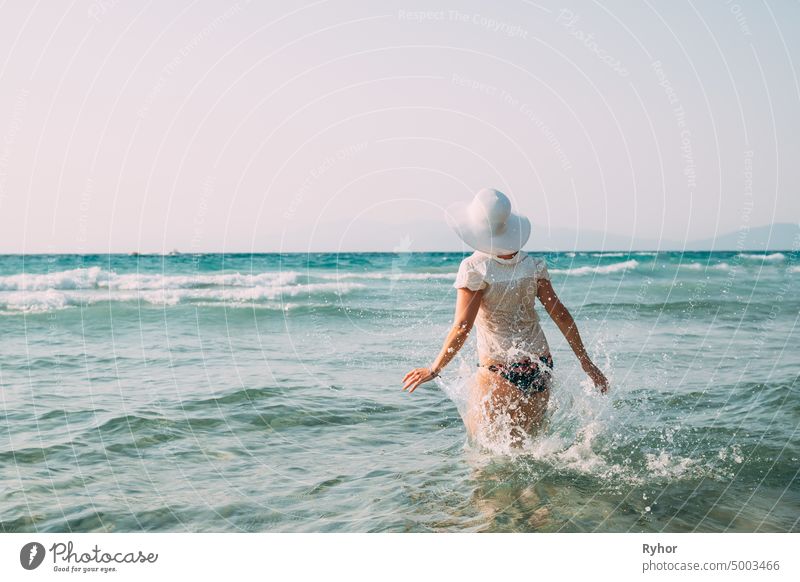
<point>533,409</point>
<point>492,397</point>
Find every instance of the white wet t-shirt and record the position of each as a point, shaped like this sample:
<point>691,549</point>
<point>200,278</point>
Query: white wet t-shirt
<point>507,323</point>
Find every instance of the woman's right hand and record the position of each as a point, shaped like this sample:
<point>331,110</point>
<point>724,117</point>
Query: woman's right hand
<point>416,377</point>
<point>596,376</point>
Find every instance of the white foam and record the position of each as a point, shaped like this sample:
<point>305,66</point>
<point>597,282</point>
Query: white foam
<point>773,258</point>
<point>54,299</point>
<point>600,270</point>
<point>608,254</point>
<point>71,279</point>
<point>36,301</point>
<point>700,266</point>
<point>41,292</point>
<point>97,278</point>
<point>580,455</point>
<point>665,464</point>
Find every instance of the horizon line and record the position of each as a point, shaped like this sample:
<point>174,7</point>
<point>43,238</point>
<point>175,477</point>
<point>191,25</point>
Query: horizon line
<point>195,253</point>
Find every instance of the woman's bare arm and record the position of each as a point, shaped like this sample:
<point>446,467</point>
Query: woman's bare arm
<point>467,304</point>
<point>563,319</point>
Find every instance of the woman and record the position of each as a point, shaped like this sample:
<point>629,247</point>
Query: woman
<point>497,287</point>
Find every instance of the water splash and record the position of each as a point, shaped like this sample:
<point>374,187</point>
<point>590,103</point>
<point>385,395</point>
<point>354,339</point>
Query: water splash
<point>585,433</point>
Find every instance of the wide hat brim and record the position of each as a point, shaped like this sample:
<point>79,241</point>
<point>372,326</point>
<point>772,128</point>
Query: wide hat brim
<point>479,234</point>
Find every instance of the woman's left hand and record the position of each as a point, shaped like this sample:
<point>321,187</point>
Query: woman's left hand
<point>416,377</point>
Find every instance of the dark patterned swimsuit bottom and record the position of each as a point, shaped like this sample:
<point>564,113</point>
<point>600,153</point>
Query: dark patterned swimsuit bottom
<point>529,376</point>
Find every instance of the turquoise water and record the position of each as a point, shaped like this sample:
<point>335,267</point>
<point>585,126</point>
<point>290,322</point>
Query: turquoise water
<point>262,393</point>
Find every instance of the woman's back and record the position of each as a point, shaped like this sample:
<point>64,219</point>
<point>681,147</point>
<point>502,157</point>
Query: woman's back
<point>507,323</point>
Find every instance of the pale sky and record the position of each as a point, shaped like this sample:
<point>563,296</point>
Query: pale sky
<point>294,126</point>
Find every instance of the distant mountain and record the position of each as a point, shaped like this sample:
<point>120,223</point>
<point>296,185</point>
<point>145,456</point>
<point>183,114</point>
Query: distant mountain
<point>779,237</point>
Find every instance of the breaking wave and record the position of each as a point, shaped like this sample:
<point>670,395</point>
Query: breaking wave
<point>700,266</point>
<point>98,278</point>
<point>773,257</point>
<point>599,269</point>
<point>88,286</point>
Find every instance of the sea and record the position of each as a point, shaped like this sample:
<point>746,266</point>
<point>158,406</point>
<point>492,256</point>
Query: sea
<point>263,393</point>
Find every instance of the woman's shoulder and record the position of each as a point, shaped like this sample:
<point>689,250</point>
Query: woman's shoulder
<point>471,273</point>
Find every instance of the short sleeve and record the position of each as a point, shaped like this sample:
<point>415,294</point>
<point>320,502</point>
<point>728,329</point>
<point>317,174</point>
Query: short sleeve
<point>469,276</point>
<point>541,270</point>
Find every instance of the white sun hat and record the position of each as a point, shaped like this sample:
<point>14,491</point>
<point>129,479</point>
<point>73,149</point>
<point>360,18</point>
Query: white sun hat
<point>487,224</point>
